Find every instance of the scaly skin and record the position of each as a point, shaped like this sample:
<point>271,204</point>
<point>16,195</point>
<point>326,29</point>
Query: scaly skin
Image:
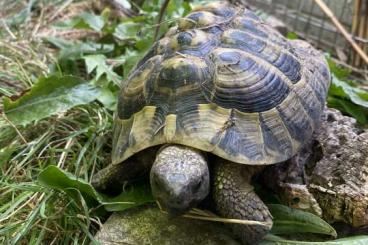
<point>235,198</point>
<point>112,178</point>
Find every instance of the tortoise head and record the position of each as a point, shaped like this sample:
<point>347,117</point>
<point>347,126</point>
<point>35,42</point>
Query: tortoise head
<point>179,178</point>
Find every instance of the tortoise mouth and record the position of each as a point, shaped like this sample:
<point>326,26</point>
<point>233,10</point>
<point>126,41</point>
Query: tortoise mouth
<point>175,210</point>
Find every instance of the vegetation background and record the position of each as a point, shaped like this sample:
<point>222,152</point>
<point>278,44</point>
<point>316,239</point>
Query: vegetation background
<point>62,63</point>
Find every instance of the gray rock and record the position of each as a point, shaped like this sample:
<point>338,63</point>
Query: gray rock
<point>329,177</point>
<point>147,225</point>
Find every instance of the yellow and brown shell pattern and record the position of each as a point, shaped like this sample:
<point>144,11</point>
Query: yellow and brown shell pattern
<point>224,82</point>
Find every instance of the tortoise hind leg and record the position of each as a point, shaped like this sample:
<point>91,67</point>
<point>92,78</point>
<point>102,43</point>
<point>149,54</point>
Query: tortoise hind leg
<point>235,198</point>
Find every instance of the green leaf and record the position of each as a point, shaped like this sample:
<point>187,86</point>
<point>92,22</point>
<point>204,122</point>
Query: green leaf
<point>345,96</point>
<point>49,96</point>
<point>127,31</point>
<point>98,62</point>
<point>292,35</point>
<point>55,178</point>
<point>108,98</point>
<point>84,21</point>
<point>358,112</point>
<point>338,71</point>
<point>76,49</point>
<point>131,59</point>
<point>343,89</point>
<point>94,21</point>
<point>354,240</point>
<point>288,220</point>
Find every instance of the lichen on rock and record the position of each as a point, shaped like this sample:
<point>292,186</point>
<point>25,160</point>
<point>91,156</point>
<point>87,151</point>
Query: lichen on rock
<point>148,225</point>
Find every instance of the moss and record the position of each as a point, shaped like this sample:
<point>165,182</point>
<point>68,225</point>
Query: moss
<point>147,225</point>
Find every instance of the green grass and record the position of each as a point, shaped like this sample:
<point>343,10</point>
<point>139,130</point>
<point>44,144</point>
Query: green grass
<point>77,140</point>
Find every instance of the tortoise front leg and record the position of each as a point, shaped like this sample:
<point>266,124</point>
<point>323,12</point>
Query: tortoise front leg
<point>235,198</point>
<point>112,178</point>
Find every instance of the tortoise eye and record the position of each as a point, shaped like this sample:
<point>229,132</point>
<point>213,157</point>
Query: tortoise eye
<point>197,186</point>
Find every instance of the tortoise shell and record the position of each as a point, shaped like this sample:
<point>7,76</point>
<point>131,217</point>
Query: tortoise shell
<point>224,82</point>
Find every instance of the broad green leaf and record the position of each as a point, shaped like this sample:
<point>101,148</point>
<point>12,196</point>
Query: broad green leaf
<point>98,62</point>
<point>108,98</point>
<point>354,240</point>
<point>345,96</point>
<point>288,220</point>
<point>55,178</point>
<point>358,112</point>
<point>356,95</point>
<point>49,96</point>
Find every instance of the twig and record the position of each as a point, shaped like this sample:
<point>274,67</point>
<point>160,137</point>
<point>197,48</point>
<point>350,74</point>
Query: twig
<point>160,16</point>
<point>202,215</point>
<point>343,31</point>
<point>225,220</point>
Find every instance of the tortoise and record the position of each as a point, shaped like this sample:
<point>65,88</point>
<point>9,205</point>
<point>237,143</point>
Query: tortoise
<point>221,95</point>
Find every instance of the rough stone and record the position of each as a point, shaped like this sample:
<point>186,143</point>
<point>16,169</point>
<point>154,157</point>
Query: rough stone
<point>329,177</point>
<point>147,225</point>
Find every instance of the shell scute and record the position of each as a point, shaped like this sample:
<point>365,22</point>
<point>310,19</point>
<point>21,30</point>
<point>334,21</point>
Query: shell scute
<point>282,59</point>
<point>242,83</point>
<point>192,42</point>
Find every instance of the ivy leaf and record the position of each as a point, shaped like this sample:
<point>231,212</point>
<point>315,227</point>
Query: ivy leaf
<point>97,63</point>
<point>127,31</point>
<point>49,96</point>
